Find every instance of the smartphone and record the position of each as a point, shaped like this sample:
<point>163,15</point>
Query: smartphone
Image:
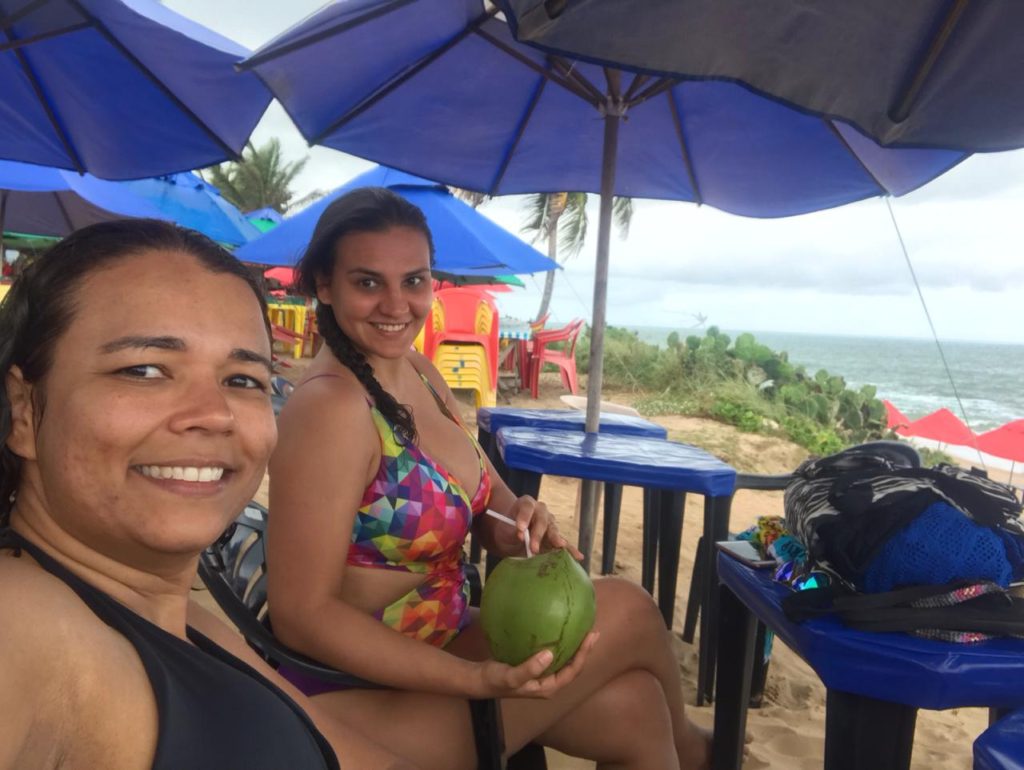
<point>746,552</point>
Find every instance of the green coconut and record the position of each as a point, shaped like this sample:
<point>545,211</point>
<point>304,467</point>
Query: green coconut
<point>545,602</point>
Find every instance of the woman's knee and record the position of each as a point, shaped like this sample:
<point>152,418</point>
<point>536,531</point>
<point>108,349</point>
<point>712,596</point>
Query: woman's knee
<point>625,605</point>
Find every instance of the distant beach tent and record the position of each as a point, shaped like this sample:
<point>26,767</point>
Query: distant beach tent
<point>467,242</point>
<point>942,426</point>
<point>120,89</point>
<point>41,201</point>
<point>1006,441</point>
<point>191,202</point>
<point>895,420</point>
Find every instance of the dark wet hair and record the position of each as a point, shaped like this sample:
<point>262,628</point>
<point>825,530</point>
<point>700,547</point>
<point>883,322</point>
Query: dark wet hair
<point>368,209</point>
<point>40,306</point>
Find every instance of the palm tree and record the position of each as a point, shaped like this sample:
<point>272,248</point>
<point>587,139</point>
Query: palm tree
<point>544,219</point>
<point>261,179</point>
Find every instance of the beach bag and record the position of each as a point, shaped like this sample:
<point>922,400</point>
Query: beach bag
<point>847,509</point>
<point>925,550</point>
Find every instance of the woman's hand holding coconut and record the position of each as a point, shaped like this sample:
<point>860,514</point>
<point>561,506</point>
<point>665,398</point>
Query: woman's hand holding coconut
<point>531,679</point>
<point>375,486</point>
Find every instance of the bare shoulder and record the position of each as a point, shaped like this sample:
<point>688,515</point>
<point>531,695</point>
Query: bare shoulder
<point>39,611</point>
<point>322,403</point>
<point>56,663</point>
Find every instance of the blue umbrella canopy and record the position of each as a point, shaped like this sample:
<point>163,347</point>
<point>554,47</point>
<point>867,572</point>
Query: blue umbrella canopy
<point>927,73</point>
<point>466,242</point>
<point>191,202</point>
<point>440,88</point>
<point>123,89</point>
<point>46,201</point>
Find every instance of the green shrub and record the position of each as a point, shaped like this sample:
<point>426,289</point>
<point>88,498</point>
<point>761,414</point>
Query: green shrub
<point>744,418</point>
<point>931,457</point>
<point>743,383</point>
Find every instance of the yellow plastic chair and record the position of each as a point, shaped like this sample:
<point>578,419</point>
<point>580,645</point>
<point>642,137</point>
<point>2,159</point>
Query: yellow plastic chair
<point>291,317</point>
<point>464,366</point>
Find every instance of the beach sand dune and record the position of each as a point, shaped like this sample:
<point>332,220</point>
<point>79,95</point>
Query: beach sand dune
<point>788,731</point>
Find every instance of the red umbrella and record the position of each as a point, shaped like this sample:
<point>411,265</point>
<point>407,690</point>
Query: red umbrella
<point>1006,441</point>
<point>895,420</point>
<point>942,426</point>
<point>284,275</point>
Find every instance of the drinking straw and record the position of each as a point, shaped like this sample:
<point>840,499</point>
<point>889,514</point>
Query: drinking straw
<point>507,520</point>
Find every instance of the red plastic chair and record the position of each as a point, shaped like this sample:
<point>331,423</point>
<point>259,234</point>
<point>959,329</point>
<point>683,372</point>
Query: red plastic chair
<point>564,359</point>
<point>524,349</point>
<point>462,315</point>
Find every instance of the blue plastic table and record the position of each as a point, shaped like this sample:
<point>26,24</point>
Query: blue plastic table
<point>490,419</point>
<point>875,682</point>
<point>665,470</point>
<point>1001,746</point>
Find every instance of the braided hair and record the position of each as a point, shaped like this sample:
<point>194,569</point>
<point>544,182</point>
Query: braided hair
<point>367,209</point>
<point>41,305</point>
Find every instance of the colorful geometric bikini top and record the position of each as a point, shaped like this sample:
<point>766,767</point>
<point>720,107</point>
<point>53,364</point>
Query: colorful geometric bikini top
<point>414,515</point>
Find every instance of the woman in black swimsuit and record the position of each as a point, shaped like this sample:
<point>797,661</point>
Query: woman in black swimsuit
<point>136,423</point>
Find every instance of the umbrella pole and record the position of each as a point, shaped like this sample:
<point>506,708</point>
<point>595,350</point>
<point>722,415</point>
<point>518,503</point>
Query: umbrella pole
<point>589,490</point>
<point>3,222</point>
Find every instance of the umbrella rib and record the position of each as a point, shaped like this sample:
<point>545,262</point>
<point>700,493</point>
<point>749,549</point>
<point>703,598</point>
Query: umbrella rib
<point>638,80</point>
<point>520,130</point>
<point>51,116</point>
<point>568,85</point>
<point>613,79</point>
<point>570,73</point>
<point>677,121</point>
<point>155,81</point>
<point>9,20</point>
<point>296,45</point>
<point>401,78</point>
<point>662,84</point>
<point>842,140</point>
<point>14,45</point>
<point>63,211</point>
<point>902,106</point>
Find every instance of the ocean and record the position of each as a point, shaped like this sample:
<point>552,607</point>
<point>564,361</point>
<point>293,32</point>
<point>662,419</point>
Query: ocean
<point>907,372</point>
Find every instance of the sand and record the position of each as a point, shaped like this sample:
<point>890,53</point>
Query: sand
<point>788,731</point>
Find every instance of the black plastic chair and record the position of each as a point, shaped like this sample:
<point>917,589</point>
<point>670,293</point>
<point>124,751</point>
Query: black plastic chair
<point>900,452</point>
<point>234,571</point>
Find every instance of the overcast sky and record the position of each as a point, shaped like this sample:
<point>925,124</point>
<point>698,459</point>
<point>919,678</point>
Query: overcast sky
<point>838,271</point>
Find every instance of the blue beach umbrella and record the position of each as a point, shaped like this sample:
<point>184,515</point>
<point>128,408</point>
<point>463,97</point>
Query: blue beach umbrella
<point>442,89</point>
<point>123,89</point>
<point>931,73</point>
<point>36,200</point>
<point>191,202</point>
<point>467,243</point>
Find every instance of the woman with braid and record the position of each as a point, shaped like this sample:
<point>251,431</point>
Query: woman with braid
<point>374,488</point>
